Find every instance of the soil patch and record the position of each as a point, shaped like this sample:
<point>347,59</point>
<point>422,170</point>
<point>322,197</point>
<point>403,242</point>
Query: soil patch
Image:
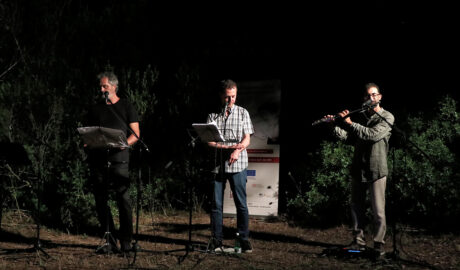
<point>277,245</point>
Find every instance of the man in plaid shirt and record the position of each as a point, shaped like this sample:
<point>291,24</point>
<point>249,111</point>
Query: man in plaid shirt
<point>236,127</point>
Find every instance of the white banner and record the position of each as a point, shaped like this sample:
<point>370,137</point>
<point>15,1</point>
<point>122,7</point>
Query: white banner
<point>262,100</point>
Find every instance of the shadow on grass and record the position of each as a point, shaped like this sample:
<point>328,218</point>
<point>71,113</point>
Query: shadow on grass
<point>230,231</point>
<point>186,245</point>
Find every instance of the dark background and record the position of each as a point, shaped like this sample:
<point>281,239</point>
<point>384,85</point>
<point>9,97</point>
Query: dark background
<point>322,53</point>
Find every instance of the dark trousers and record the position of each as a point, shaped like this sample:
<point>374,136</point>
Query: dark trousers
<point>105,181</point>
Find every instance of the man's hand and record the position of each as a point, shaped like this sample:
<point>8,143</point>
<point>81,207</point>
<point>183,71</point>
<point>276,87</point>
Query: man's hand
<point>343,114</point>
<point>234,156</point>
<point>329,118</point>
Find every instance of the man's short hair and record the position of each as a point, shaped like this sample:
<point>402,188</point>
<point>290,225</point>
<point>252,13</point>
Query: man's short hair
<point>227,84</point>
<point>370,85</point>
<point>112,78</point>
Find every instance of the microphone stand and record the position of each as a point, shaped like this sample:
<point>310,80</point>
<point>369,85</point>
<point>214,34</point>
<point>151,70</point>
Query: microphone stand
<point>117,115</point>
<point>20,151</point>
<point>395,253</point>
<point>189,246</point>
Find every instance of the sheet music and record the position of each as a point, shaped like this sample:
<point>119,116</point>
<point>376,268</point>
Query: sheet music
<point>208,132</point>
<point>102,137</point>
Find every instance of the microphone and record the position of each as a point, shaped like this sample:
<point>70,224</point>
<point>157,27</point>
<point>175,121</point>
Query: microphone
<point>226,106</point>
<point>106,96</point>
<point>367,103</point>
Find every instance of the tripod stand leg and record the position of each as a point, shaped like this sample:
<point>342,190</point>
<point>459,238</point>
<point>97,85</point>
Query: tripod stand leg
<point>38,247</point>
<point>188,245</point>
<point>395,253</point>
<point>108,244</point>
<point>138,202</point>
<point>1,210</point>
<point>2,199</point>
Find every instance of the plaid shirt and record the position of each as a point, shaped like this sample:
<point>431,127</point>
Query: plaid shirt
<point>233,128</point>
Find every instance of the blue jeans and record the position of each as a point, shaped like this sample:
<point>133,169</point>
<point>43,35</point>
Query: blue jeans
<point>238,186</point>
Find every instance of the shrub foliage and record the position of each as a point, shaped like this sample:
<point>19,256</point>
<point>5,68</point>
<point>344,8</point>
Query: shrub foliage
<point>423,183</point>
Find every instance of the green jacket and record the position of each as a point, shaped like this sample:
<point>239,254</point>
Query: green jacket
<point>370,138</point>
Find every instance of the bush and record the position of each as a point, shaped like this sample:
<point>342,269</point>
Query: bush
<point>328,186</point>
<point>423,186</point>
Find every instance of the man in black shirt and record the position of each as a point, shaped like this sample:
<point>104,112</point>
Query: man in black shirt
<point>109,168</point>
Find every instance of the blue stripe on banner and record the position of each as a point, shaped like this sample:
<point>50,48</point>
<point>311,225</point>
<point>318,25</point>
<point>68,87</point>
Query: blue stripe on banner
<point>251,172</point>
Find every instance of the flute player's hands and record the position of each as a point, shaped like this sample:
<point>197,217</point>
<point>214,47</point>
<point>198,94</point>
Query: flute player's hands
<point>343,115</point>
<point>328,118</point>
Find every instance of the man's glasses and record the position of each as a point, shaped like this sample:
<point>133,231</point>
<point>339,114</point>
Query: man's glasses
<point>372,95</point>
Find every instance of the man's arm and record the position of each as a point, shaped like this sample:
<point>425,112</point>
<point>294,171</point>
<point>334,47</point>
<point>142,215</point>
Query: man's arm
<point>337,129</point>
<point>240,147</point>
<point>237,147</point>
<point>376,132</point>
<point>244,142</point>
<point>133,139</point>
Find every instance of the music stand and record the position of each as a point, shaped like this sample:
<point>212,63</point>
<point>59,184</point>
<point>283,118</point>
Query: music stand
<point>12,154</point>
<point>105,139</point>
<point>209,132</point>
<point>15,154</point>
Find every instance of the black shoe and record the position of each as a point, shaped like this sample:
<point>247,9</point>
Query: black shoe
<point>136,247</point>
<point>358,246</point>
<point>215,245</point>
<point>127,247</point>
<point>379,249</point>
<point>246,246</point>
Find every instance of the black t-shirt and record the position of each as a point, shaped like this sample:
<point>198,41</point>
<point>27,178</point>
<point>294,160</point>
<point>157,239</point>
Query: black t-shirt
<point>104,115</point>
